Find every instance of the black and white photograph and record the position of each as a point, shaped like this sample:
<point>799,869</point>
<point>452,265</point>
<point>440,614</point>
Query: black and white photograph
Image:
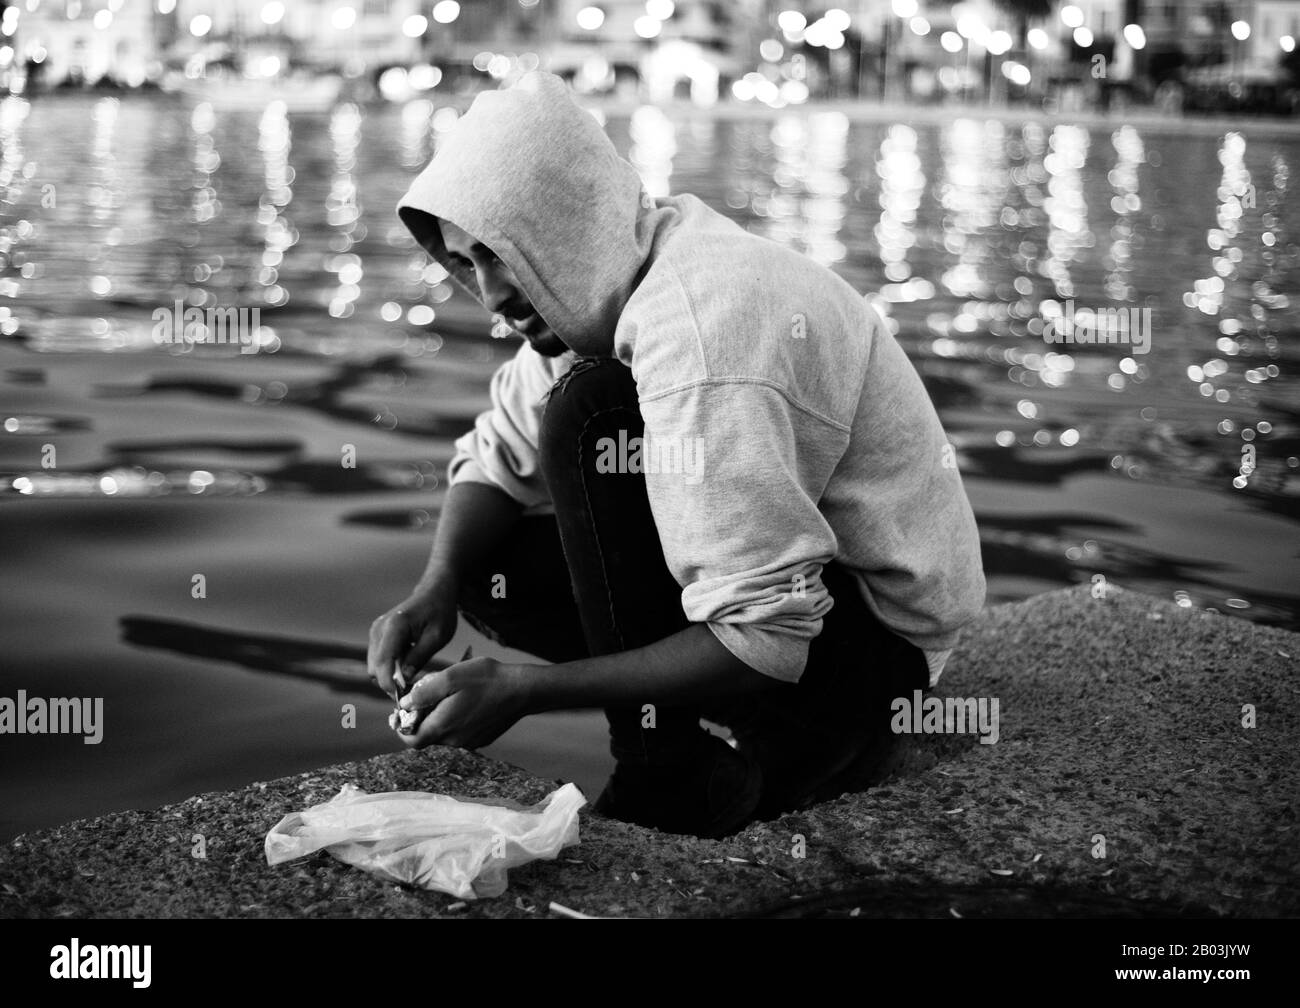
<point>642,459</point>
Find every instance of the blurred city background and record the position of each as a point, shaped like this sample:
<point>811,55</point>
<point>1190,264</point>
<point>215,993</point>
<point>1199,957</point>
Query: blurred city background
<point>1191,55</point>
<point>971,168</point>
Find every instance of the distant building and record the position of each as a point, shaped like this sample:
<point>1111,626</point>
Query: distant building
<point>1182,34</point>
<point>1275,29</point>
<point>85,40</point>
<point>669,46</point>
<point>363,32</point>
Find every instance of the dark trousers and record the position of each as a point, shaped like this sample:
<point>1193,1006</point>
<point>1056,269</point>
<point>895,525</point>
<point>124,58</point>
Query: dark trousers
<point>592,580</point>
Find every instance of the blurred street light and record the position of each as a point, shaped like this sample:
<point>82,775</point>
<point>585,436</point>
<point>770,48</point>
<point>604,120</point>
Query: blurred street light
<point>919,26</point>
<point>343,18</point>
<point>590,18</point>
<point>822,33</point>
<point>447,11</point>
<point>660,9</point>
<point>200,25</point>
<point>1016,73</point>
<point>905,8</point>
<point>791,22</point>
<point>1288,43</point>
<point>415,26</point>
<point>1240,31</point>
<point>1083,38</point>
<point>837,20</point>
<point>1135,36</point>
<point>1038,38</point>
<point>969,24</point>
<point>424,76</point>
<point>273,13</point>
<point>951,42</point>
<point>646,26</point>
<point>1072,16</point>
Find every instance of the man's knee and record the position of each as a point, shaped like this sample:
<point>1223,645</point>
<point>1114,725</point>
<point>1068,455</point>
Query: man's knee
<point>519,594</point>
<point>592,386</point>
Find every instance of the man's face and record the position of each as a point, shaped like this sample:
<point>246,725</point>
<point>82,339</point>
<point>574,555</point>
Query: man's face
<point>500,290</point>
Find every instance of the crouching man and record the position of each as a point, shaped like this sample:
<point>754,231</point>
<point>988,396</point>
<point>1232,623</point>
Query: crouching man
<point>710,481</point>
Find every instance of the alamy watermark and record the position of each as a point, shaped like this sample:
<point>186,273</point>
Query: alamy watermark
<point>178,324</point>
<point>652,455</point>
<point>1088,326</point>
<point>75,961</point>
<point>57,716</point>
<point>946,716</point>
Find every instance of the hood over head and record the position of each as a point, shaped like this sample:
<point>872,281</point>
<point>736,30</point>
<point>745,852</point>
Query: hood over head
<point>533,176</point>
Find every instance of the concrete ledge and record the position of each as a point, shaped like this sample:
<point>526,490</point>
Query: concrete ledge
<point>1119,716</point>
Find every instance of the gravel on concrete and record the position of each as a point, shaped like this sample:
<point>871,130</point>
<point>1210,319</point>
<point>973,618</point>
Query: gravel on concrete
<point>1123,783</point>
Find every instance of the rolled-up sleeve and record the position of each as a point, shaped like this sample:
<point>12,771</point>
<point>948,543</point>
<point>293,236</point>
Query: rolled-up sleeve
<point>733,482</point>
<point>501,448</point>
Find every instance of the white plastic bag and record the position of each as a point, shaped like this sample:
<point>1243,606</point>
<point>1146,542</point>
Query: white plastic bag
<point>433,841</point>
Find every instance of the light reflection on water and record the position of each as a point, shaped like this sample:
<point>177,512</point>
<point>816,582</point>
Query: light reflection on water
<point>1174,471</point>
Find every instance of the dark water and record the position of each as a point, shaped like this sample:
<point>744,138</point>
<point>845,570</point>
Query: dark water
<point>172,461</point>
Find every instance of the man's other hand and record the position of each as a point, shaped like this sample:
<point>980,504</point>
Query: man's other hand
<point>411,633</point>
<point>469,704</point>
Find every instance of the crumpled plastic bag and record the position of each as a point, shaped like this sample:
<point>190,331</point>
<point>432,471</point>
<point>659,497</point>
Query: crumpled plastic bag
<point>456,846</point>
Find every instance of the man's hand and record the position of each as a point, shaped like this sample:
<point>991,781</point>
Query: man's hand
<point>473,703</point>
<point>411,633</point>
<point>475,519</point>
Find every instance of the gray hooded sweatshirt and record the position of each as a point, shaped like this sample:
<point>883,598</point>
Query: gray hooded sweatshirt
<point>784,426</point>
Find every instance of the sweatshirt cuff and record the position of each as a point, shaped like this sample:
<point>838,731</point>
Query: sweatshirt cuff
<point>778,655</point>
<point>466,470</point>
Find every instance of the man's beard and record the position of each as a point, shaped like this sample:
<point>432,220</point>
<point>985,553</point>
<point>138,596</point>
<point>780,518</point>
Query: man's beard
<point>547,344</point>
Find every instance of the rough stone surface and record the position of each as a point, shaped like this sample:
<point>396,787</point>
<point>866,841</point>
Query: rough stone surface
<point>1119,716</point>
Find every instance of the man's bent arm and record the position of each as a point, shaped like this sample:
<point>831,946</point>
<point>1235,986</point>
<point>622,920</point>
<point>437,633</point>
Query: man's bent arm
<point>475,518</point>
<point>690,666</point>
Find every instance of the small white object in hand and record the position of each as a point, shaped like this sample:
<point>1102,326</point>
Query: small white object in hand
<point>403,720</point>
